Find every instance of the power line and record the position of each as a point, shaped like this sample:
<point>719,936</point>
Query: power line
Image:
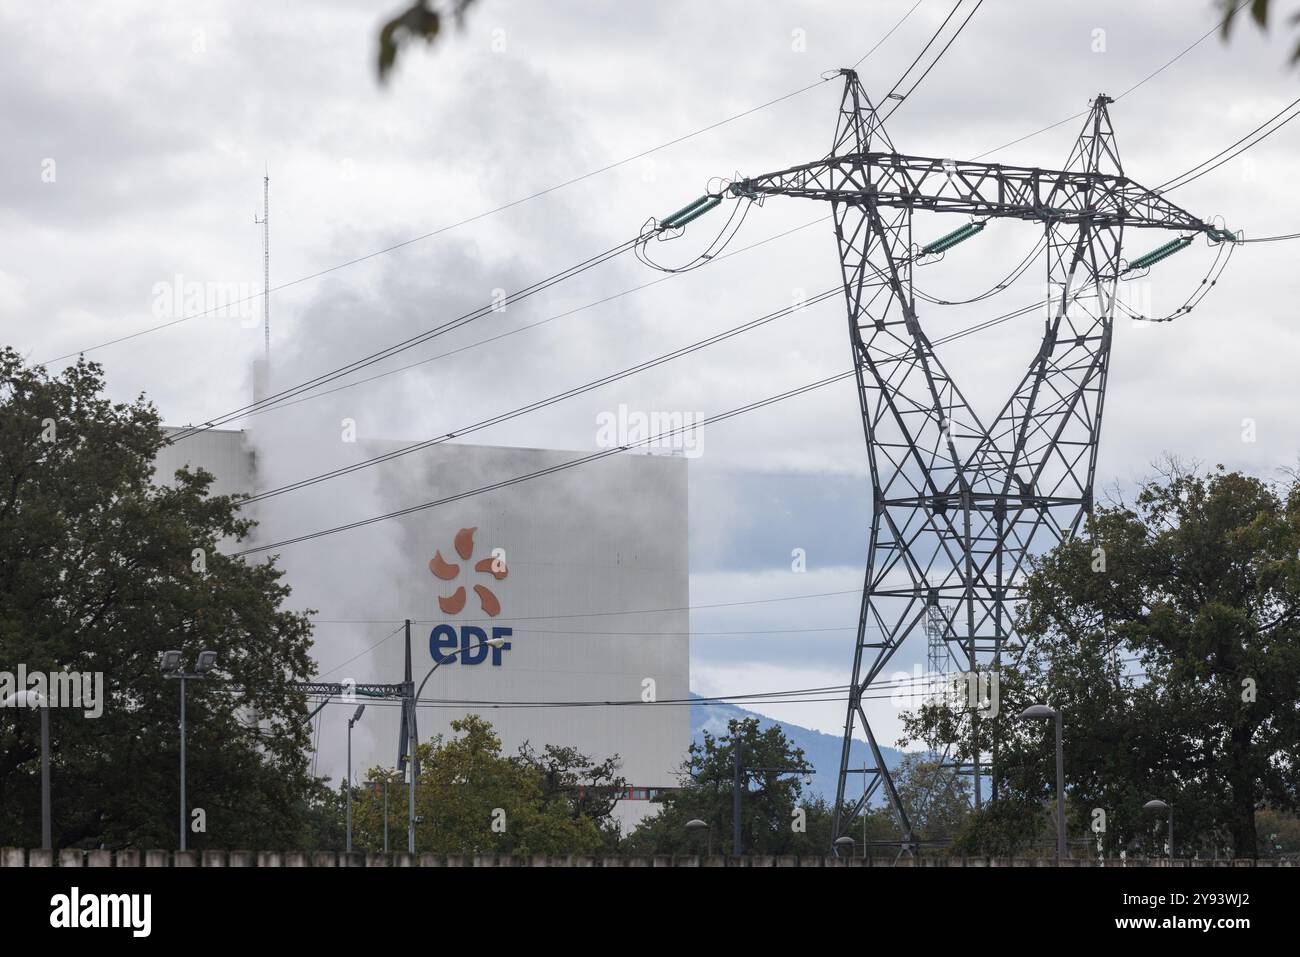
<point>1185,178</point>
<point>486,213</point>
<point>912,88</point>
<point>409,343</point>
<point>362,654</point>
<point>273,400</point>
<point>1199,40</point>
<point>1074,116</point>
<point>887,35</point>
<point>440,230</point>
<point>524,328</point>
<point>605,453</point>
<point>911,66</point>
<point>930,685</point>
<point>547,402</point>
<point>599,383</point>
<point>270,401</point>
<point>1272,239</point>
<point>908,687</point>
<point>565,633</point>
<point>634,703</point>
<point>999,287</point>
<point>560,467</point>
<point>592,614</point>
<point>1202,289</point>
<point>901,686</point>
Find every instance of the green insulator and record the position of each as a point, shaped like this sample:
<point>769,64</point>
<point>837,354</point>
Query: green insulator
<point>695,214</point>
<point>946,242</point>
<point>671,218</point>
<point>1159,253</point>
<point>943,241</point>
<point>1148,259</point>
<point>1181,245</point>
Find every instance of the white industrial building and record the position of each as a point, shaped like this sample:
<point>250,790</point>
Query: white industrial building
<point>583,571</point>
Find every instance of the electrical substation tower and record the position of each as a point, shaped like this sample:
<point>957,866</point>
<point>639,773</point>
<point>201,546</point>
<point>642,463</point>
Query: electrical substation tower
<point>960,504</point>
<point>936,640</point>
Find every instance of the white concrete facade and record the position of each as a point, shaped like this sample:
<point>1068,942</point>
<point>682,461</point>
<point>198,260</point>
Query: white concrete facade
<point>575,551</point>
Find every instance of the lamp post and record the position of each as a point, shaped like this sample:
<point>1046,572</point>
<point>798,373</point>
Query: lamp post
<point>1040,712</point>
<point>845,844</point>
<point>1159,805</point>
<point>173,667</point>
<point>410,736</point>
<point>697,825</point>
<point>351,721</point>
<point>34,699</point>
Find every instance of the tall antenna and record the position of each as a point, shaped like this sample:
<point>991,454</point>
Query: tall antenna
<point>265,223</point>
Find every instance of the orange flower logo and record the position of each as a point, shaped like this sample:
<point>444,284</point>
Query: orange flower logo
<point>446,571</point>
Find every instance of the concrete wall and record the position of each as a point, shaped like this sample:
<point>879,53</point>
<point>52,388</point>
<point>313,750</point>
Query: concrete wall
<point>225,453</point>
<point>582,547</point>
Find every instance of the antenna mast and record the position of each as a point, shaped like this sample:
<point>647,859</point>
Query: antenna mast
<point>265,223</point>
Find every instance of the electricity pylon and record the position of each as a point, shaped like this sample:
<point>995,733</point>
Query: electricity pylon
<point>959,506</point>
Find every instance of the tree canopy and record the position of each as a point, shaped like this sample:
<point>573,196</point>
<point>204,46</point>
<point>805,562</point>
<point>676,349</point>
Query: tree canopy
<point>471,798</point>
<point>775,816</point>
<point>102,571</point>
<point>1170,642</point>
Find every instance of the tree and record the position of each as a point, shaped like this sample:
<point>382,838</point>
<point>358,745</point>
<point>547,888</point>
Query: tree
<point>580,785</point>
<point>1010,827</point>
<point>775,817</point>
<point>1170,642</point>
<point>473,799</point>
<point>422,20</point>
<point>1259,11</point>
<point>100,572</point>
<point>1279,834</point>
<point>936,798</point>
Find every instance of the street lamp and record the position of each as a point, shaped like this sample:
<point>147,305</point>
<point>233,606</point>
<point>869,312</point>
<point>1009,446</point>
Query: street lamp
<point>697,825</point>
<point>34,699</point>
<point>410,734</point>
<point>173,667</point>
<point>1159,805</point>
<point>351,721</point>
<point>1041,712</point>
<point>845,844</point>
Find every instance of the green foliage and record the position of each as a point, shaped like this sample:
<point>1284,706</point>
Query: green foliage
<point>1259,11</point>
<point>936,799</point>
<point>1009,827</point>
<point>1279,833</point>
<point>1173,655</point>
<point>472,799</point>
<point>768,804</point>
<point>97,575</point>
<point>420,21</point>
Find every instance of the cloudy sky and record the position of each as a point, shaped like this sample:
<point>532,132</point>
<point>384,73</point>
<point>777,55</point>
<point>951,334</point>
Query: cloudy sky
<point>136,136</point>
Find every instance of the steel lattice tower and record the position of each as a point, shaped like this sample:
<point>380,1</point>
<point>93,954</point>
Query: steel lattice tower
<point>936,641</point>
<point>958,505</point>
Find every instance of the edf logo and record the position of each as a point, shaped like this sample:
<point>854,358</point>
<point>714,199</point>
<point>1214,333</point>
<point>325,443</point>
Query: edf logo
<point>468,644</point>
<point>443,642</point>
